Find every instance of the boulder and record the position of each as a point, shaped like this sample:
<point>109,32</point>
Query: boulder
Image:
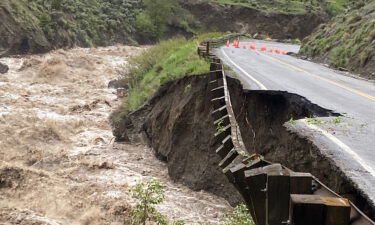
<point>3,68</point>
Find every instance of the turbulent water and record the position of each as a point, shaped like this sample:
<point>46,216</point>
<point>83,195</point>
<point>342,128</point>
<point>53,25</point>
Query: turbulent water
<point>58,161</point>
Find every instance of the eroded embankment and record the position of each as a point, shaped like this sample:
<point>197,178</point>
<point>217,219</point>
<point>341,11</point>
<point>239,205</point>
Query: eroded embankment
<point>262,115</point>
<point>177,123</point>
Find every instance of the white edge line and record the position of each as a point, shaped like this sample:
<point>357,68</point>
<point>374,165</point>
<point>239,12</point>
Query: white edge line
<point>342,146</point>
<point>325,133</point>
<point>260,85</point>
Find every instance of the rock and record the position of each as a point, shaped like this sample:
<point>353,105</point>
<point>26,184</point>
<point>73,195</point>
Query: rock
<point>3,68</point>
<point>113,84</point>
<point>343,69</point>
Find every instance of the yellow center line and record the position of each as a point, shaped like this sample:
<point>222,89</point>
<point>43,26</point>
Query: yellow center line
<point>322,78</point>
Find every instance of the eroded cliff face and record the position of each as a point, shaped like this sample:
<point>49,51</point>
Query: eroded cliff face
<point>177,124</point>
<point>224,18</point>
<point>18,39</point>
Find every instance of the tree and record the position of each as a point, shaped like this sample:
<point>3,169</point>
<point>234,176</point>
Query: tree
<point>149,194</point>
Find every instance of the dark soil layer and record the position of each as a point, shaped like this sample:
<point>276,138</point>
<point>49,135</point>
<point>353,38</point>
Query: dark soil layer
<point>261,116</point>
<point>176,122</point>
<point>223,18</point>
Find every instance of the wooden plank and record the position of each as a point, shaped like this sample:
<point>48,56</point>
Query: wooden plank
<point>228,159</point>
<point>278,194</point>
<point>300,183</point>
<point>306,210</point>
<point>314,209</point>
<point>337,211</point>
<point>256,180</point>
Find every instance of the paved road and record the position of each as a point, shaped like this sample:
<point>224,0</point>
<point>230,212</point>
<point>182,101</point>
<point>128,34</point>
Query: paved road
<point>351,142</point>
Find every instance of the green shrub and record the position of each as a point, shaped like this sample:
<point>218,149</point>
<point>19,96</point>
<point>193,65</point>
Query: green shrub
<point>163,62</point>
<point>239,216</point>
<point>149,194</point>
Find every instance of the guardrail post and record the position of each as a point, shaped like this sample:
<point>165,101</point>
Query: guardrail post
<point>208,48</point>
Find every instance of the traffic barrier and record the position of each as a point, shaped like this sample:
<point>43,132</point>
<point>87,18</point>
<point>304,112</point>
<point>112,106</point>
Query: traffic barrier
<point>263,48</point>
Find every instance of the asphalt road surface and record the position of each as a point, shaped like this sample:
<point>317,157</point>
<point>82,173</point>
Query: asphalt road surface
<point>349,140</point>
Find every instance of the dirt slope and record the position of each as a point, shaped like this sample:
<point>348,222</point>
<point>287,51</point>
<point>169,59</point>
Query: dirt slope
<point>58,162</point>
<point>215,17</point>
<point>177,124</point>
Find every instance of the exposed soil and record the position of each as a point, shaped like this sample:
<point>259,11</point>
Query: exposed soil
<point>224,18</point>
<point>176,122</point>
<point>262,117</point>
<point>59,164</point>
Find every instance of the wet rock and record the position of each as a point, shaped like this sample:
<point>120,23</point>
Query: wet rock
<point>3,68</point>
<point>113,84</point>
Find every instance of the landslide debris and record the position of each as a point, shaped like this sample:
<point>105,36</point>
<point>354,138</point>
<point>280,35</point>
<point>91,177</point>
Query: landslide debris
<point>346,42</point>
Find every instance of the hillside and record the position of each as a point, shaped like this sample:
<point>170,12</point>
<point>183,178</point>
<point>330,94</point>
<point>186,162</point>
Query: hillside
<point>35,26</point>
<point>38,26</point>
<point>331,7</point>
<point>348,41</point>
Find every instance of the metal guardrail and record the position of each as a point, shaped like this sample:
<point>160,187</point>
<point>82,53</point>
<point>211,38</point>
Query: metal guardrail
<point>274,194</point>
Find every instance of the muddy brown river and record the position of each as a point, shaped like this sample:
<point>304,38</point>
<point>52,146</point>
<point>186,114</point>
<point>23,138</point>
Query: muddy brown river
<point>58,161</point>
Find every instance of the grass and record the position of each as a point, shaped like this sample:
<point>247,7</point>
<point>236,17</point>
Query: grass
<point>345,42</point>
<point>163,62</point>
<point>332,7</point>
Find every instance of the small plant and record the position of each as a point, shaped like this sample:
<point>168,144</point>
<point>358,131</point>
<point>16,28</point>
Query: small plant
<point>292,121</point>
<point>336,120</point>
<point>220,127</point>
<point>239,216</point>
<point>149,194</point>
<point>314,121</point>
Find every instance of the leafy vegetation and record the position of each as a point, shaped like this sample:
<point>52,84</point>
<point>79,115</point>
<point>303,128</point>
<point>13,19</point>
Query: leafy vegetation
<point>332,7</point>
<point>347,41</point>
<point>315,121</point>
<point>149,193</point>
<point>99,22</point>
<point>219,126</point>
<point>89,21</point>
<point>163,62</point>
<point>239,216</point>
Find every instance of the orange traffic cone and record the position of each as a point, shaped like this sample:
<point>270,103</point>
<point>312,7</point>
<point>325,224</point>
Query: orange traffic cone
<point>244,46</point>
<point>227,44</point>
<point>252,46</point>
<point>283,52</point>
<point>277,51</point>
<point>271,50</point>
<point>263,48</point>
